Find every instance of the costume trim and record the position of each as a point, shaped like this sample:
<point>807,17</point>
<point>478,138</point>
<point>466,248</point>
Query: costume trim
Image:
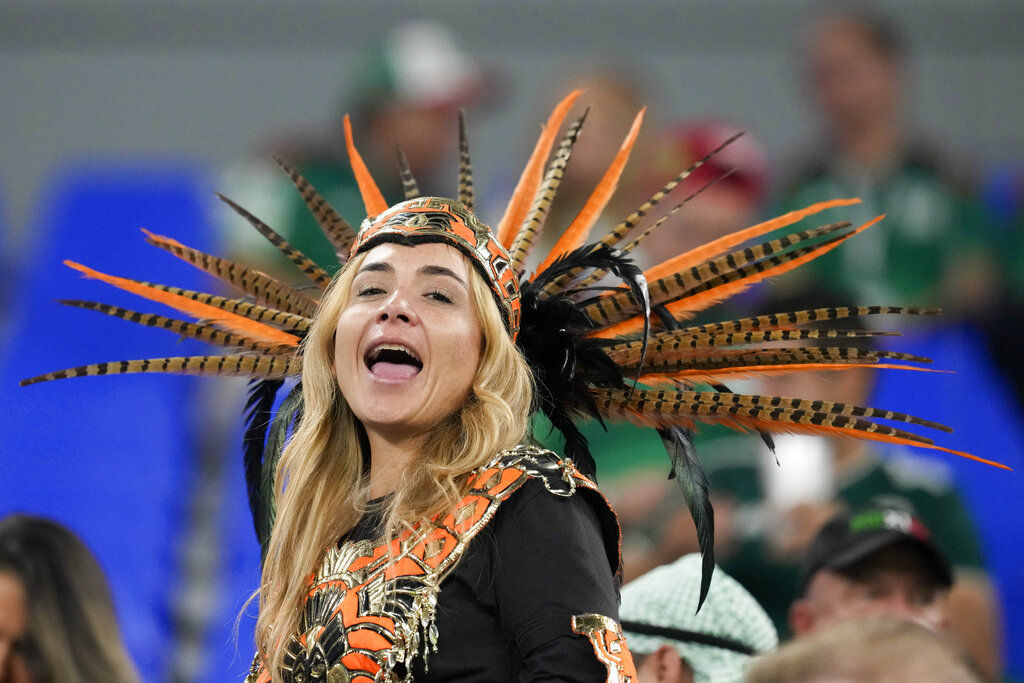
<point>609,645</point>
<point>371,606</point>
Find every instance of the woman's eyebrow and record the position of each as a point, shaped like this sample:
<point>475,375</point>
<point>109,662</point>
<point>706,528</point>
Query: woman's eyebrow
<point>377,266</point>
<point>441,270</point>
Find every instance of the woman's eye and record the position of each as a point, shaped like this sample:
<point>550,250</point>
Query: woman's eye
<point>370,290</point>
<point>439,295</point>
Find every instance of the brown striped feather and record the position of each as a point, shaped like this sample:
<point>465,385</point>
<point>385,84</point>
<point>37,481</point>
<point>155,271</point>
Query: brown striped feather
<point>791,319</point>
<point>533,224</point>
<point>754,371</point>
<point>530,179</point>
<point>619,232</point>
<point>289,322</point>
<point>465,166</point>
<point>262,287</point>
<point>576,234</point>
<point>182,328</point>
<point>263,366</point>
<point>686,408</point>
<point>410,188</point>
<point>317,275</point>
<point>674,344</point>
<point>338,231</point>
<point>720,359</point>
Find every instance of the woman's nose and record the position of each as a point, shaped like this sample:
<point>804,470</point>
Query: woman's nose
<point>396,308</point>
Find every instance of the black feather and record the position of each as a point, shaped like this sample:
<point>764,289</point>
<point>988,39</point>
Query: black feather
<point>258,413</point>
<point>285,418</point>
<point>689,474</point>
<point>565,362</point>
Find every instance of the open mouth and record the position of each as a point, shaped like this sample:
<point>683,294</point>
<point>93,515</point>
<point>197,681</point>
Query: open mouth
<point>393,361</point>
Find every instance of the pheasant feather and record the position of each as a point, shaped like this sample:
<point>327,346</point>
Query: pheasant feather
<point>336,229</point>
<point>261,287</point>
<point>317,275</point>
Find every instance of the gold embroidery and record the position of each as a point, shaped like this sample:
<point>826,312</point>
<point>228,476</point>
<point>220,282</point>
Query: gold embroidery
<point>606,637</point>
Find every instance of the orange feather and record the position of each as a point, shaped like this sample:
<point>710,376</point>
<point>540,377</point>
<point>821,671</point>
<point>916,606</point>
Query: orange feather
<point>372,197</point>
<point>579,229</point>
<point>235,323</point>
<point>720,245</point>
<point>533,174</point>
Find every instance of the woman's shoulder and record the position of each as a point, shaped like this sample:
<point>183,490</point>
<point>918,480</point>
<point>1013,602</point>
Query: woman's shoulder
<point>516,466</point>
<point>550,496</point>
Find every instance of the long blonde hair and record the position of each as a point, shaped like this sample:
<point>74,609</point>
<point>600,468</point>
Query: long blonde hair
<point>321,482</point>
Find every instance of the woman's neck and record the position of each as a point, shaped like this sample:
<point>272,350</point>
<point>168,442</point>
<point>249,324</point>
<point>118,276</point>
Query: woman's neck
<point>390,458</point>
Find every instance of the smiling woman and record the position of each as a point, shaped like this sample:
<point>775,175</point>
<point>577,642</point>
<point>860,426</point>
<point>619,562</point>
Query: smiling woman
<point>411,528</point>
<point>416,399</point>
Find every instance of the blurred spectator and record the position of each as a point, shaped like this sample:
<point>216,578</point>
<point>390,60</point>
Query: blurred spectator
<point>672,642</point>
<point>931,249</point>
<point>406,96</point>
<point>57,620</point>
<point>878,561</point>
<point>867,651</point>
<point>881,560</point>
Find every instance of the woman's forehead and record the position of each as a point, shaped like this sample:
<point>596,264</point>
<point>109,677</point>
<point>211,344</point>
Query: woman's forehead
<point>401,257</point>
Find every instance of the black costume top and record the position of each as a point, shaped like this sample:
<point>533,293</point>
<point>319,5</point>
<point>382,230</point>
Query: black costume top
<point>532,597</point>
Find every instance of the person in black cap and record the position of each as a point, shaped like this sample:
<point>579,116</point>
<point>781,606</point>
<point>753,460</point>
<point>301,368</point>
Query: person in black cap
<point>877,561</point>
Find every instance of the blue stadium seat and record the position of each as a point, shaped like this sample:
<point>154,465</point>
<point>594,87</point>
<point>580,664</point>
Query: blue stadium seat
<point>976,401</point>
<point>115,457</point>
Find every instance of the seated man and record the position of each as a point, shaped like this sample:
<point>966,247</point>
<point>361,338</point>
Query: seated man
<point>878,561</point>
<point>672,642</point>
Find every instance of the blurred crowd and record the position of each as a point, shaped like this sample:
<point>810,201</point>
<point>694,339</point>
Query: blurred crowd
<point>868,564</point>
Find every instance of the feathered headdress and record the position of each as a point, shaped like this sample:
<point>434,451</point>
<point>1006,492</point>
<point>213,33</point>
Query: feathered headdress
<point>596,351</point>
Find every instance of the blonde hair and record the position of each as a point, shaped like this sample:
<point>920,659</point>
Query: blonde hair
<point>321,482</point>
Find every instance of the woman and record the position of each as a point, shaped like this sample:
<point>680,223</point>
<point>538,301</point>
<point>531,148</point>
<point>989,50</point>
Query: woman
<point>407,533</point>
<point>57,621</point>
<point>415,397</point>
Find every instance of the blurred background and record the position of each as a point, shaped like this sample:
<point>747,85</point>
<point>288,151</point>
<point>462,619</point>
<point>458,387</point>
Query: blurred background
<point>123,114</point>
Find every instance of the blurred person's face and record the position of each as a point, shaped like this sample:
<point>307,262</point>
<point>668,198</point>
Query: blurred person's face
<point>427,135</point>
<point>894,582</point>
<point>852,82</point>
<point>13,622</point>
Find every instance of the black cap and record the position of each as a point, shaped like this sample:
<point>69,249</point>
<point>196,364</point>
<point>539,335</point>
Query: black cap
<point>851,537</point>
